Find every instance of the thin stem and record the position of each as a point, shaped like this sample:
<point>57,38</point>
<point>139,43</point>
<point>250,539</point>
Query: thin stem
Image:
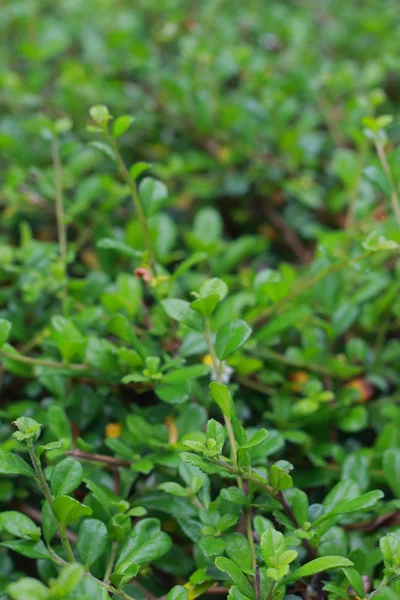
<point>299,364</point>
<point>49,498</point>
<point>43,363</point>
<point>135,197</point>
<point>111,562</point>
<point>308,283</point>
<point>218,373</point>
<point>258,584</point>
<point>60,216</point>
<point>394,197</point>
<point>101,458</point>
<point>382,584</point>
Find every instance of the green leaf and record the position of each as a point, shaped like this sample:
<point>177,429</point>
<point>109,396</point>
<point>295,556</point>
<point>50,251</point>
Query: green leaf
<point>28,588</point>
<point>104,149</point>
<point>122,125</point>
<point>256,439</point>
<point>100,114</point>
<point>205,306</point>
<point>355,580</point>
<point>272,545</point>
<point>178,593</point>
<point>5,328</point>
<point>180,311</point>
<point>28,429</point>
<point>197,461</point>
<point>279,479</point>
<point>300,506</point>
<point>67,337</point>
<point>234,572</point>
<point>187,264</point>
<point>12,464</point>
<point>234,494</point>
<point>137,169</point>
<point>49,524</point>
<point>318,565</point>
<point>19,525</point>
<point>153,194</point>
<point>211,546</point>
<point>118,246</point>
<point>174,488</point>
<point>68,510</point>
<point>121,577</point>
<point>28,548</point>
<point>70,576</point>
<point>215,431</point>
<point>231,337</point>
<point>390,548</point>
<point>146,543</point>
<point>92,541</point>
<point>66,476</point>
<point>221,395</point>
<point>214,286</point>
<point>363,502</point>
<point>391,469</point>
<point>185,374</point>
<point>238,549</point>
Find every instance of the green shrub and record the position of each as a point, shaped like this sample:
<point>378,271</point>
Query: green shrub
<point>199,308</point>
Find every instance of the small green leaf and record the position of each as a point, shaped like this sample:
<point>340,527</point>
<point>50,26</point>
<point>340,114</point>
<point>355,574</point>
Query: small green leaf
<point>92,540</point>
<point>174,488</point>
<point>211,546</point>
<point>234,494</point>
<point>137,169</point>
<point>28,429</point>
<point>238,549</point>
<point>5,328</point>
<point>28,588</point>
<point>153,194</point>
<point>12,464</point>
<point>104,149</point>
<point>272,545</point>
<point>205,306</point>
<point>256,439</point>
<point>28,548</point>
<point>319,565</point>
<point>100,114</point>
<point>185,374</point>
<point>146,543</point>
<point>70,576</point>
<point>238,578</point>
<point>121,577</point>
<point>68,509</point>
<point>66,476</point>
<point>221,395</point>
<point>355,580</point>
<point>231,337</point>
<point>391,469</point>
<point>118,246</point>
<point>19,525</point>
<point>122,125</point>
<point>178,593</point>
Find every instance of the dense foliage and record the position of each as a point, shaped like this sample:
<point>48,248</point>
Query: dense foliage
<point>199,300</point>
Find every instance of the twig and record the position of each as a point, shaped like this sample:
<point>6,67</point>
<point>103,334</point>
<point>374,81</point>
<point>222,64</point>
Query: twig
<point>289,235</point>
<point>43,363</point>
<point>102,458</point>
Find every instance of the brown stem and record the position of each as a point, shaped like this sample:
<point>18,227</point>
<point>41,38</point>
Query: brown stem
<point>102,458</point>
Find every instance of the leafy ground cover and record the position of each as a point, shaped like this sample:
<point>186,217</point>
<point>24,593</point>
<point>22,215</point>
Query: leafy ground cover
<point>199,300</point>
